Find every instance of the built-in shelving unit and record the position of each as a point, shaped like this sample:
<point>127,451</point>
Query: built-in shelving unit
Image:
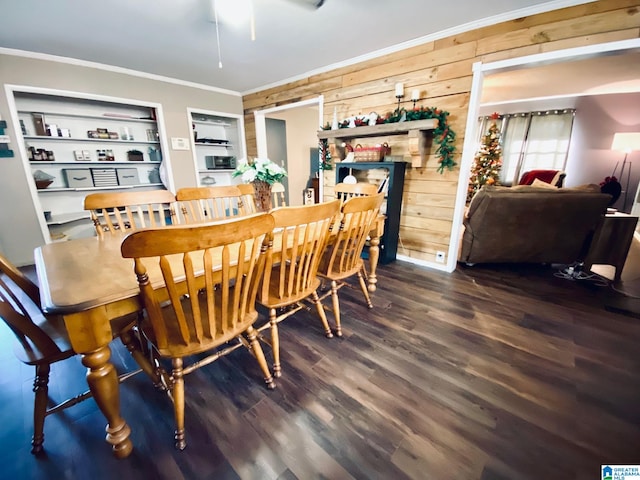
<point>393,201</point>
<point>217,144</point>
<point>83,145</point>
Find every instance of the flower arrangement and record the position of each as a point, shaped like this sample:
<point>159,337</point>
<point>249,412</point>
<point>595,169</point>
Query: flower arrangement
<point>260,169</point>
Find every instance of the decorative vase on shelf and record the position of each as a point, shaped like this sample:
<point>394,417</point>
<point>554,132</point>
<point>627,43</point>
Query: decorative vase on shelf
<point>262,194</point>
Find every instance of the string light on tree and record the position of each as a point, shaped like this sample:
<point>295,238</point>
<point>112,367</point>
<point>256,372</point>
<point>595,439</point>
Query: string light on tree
<point>488,161</point>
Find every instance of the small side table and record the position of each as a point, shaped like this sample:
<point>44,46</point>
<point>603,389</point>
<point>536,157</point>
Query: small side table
<point>611,242</point>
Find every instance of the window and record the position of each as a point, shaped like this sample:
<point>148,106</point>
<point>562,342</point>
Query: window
<point>532,141</point>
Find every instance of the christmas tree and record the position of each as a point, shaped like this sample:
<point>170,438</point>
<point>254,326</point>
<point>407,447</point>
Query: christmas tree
<point>487,162</point>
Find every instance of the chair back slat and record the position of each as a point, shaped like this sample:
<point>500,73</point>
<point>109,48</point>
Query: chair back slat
<point>122,212</point>
<point>248,197</point>
<point>218,266</point>
<point>304,236</point>
<point>207,204</point>
<point>358,217</point>
<point>346,191</point>
<point>277,195</point>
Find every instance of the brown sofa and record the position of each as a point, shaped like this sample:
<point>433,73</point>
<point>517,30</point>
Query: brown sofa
<point>531,225</point>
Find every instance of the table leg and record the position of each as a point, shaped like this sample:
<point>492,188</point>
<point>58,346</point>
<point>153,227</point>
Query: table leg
<point>374,255</point>
<point>90,334</point>
<point>374,252</point>
<point>103,383</point>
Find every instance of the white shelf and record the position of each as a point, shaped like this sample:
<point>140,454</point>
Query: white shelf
<point>218,170</point>
<point>224,145</point>
<point>89,189</point>
<point>98,117</point>
<point>64,218</point>
<point>94,162</point>
<point>91,140</point>
<point>212,123</point>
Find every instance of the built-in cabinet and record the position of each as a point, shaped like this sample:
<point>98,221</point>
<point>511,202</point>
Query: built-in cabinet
<point>217,144</point>
<point>391,181</point>
<point>74,146</point>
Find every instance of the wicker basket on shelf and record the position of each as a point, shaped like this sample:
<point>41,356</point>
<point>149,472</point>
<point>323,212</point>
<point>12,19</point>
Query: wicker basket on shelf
<point>375,153</point>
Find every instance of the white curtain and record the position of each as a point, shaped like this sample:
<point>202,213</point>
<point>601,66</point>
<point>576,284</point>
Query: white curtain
<point>533,141</point>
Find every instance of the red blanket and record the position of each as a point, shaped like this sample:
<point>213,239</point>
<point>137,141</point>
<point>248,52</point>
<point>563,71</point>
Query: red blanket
<point>544,175</point>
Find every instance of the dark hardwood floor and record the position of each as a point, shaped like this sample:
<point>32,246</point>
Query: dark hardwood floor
<point>492,372</point>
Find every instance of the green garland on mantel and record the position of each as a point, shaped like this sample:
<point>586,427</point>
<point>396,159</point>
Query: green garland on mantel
<point>442,134</point>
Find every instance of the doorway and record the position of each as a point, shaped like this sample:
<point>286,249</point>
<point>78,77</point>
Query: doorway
<point>302,121</point>
<point>480,73</point>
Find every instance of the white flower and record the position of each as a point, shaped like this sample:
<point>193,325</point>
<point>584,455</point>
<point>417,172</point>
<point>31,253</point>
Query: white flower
<point>249,176</point>
<point>261,169</point>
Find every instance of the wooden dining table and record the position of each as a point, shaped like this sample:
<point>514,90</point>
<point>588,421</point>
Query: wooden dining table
<point>90,285</point>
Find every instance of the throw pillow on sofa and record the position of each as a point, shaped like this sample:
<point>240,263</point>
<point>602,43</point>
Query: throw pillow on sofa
<point>541,184</point>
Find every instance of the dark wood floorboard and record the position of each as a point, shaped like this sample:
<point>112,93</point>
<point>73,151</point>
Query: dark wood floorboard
<point>491,372</point>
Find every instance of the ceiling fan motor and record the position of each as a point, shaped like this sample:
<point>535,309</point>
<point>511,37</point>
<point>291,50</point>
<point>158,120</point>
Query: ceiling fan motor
<point>315,4</point>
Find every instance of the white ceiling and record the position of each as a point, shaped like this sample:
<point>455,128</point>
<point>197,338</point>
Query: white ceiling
<point>178,39</point>
<point>559,85</point>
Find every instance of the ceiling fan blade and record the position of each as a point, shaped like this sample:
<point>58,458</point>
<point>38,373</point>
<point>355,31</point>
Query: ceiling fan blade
<point>314,4</point>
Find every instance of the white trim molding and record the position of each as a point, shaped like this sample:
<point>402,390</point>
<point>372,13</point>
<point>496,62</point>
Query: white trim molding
<point>111,68</point>
<point>479,72</point>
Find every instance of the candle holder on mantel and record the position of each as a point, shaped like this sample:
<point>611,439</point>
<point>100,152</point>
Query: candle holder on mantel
<point>399,97</point>
<point>416,100</point>
<point>415,96</point>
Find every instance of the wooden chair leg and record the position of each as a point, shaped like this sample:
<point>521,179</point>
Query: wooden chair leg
<point>335,302</point>
<point>256,349</point>
<point>41,390</point>
<point>323,316</point>
<point>130,341</point>
<point>365,291</point>
<point>275,343</point>
<point>177,391</point>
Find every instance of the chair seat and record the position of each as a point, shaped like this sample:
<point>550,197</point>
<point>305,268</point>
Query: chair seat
<point>335,273</point>
<point>275,300</point>
<point>53,346</point>
<point>194,347</point>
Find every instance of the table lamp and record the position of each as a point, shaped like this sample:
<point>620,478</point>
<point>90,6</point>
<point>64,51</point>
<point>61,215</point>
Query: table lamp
<point>626,142</point>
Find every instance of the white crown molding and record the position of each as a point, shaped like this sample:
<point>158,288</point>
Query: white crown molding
<point>465,27</point>
<point>114,69</point>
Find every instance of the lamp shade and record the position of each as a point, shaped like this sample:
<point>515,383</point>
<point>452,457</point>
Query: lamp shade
<point>626,142</point>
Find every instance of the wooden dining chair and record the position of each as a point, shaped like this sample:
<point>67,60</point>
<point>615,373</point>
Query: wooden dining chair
<point>343,257</point>
<point>206,303</point>
<point>248,197</point>
<point>345,191</point>
<point>40,342</point>
<point>207,204</point>
<point>277,195</point>
<point>121,212</point>
<point>302,234</point>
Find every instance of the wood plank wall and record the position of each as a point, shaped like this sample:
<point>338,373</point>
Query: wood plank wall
<point>442,71</point>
